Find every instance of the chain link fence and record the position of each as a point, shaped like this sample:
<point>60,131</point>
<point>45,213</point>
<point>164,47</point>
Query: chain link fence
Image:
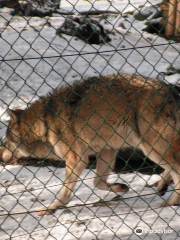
<point>104,116</point>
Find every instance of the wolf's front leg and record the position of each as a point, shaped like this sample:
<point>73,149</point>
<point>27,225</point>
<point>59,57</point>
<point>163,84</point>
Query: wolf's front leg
<point>104,166</point>
<point>74,167</point>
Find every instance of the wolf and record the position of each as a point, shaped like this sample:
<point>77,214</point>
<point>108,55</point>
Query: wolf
<point>98,116</point>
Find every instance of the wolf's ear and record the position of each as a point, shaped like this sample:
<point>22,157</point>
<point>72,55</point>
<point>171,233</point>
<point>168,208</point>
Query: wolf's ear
<point>14,114</point>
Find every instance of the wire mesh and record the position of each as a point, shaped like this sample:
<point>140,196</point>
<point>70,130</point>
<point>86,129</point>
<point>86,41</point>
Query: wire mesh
<point>83,71</point>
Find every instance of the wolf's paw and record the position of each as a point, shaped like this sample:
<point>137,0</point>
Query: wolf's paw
<point>119,187</point>
<point>162,189</point>
<point>45,211</point>
<point>169,203</point>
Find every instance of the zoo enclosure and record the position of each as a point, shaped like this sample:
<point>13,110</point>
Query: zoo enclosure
<point>39,54</point>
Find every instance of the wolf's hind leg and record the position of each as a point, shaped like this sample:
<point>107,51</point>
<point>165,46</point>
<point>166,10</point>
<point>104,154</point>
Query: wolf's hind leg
<point>162,184</point>
<point>172,168</point>
<point>104,166</point>
<point>74,167</point>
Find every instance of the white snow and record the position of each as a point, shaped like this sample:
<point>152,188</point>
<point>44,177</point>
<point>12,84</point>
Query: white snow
<point>173,79</point>
<point>29,188</point>
<point>25,189</point>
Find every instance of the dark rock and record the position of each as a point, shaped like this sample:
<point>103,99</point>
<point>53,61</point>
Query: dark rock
<point>87,29</point>
<point>133,160</point>
<point>145,12</point>
<point>155,26</point>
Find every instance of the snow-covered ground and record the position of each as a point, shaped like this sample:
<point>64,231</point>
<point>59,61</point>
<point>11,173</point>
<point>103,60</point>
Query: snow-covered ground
<point>29,188</point>
<point>22,189</point>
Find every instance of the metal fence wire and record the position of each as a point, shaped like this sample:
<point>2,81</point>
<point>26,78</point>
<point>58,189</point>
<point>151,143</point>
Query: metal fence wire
<point>89,119</point>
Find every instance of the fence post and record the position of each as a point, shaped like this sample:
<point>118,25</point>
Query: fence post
<point>170,27</point>
<point>177,26</point>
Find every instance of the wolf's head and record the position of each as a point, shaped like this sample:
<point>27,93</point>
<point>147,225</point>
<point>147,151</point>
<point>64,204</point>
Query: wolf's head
<point>26,136</point>
<point>14,145</point>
